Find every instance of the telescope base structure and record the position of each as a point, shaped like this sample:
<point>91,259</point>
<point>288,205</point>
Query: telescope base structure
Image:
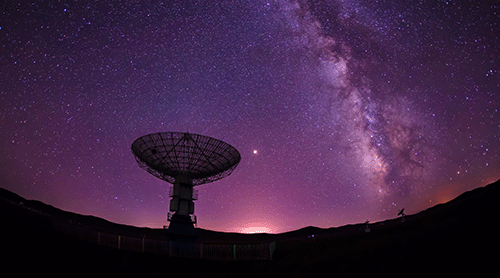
<point>181,225</point>
<point>184,160</point>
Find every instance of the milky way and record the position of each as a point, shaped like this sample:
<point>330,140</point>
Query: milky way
<point>342,111</point>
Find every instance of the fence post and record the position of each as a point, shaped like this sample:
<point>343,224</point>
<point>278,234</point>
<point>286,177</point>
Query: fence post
<point>119,237</point>
<point>272,247</point>
<point>234,252</point>
<point>201,250</point>
<point>98,238</point>
<point>143,237</point>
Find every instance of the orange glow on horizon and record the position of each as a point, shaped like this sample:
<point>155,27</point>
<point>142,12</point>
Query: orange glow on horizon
<point>446,194</point>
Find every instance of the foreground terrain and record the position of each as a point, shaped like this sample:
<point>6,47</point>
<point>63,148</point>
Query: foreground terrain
<point>455,238</point>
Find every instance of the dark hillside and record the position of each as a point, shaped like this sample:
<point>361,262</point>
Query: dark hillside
<point>455,238</point>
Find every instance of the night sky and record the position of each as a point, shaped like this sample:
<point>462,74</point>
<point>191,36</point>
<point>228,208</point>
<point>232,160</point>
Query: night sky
<point>343,111</point>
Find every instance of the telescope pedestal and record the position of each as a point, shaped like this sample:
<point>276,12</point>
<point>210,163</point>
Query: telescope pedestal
<point>181,225</point>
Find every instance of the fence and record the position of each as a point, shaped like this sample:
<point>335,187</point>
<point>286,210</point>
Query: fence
<point>174,248</point>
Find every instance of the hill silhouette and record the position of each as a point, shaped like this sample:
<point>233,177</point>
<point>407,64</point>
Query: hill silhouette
<point>455,238</point>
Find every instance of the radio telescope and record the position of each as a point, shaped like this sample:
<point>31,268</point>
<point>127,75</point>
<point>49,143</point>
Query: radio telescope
<point>184,160</point>
<point>402,213</point>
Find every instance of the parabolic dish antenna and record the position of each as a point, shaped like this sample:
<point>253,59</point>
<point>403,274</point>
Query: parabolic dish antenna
<point>184,160</point>
<point>401,212</point>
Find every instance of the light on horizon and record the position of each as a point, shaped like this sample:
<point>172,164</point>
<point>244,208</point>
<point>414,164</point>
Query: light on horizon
<point>255,230</point>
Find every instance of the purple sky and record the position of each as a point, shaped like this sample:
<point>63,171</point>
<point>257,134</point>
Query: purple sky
<point>342,111</point>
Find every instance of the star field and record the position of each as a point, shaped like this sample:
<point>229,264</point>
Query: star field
<point>342,110</point>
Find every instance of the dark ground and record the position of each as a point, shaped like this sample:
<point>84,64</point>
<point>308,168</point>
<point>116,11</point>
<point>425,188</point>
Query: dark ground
<point>456,238</point>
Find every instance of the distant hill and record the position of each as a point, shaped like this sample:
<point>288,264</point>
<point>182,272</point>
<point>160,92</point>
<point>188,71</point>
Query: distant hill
<point>456,238</point>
